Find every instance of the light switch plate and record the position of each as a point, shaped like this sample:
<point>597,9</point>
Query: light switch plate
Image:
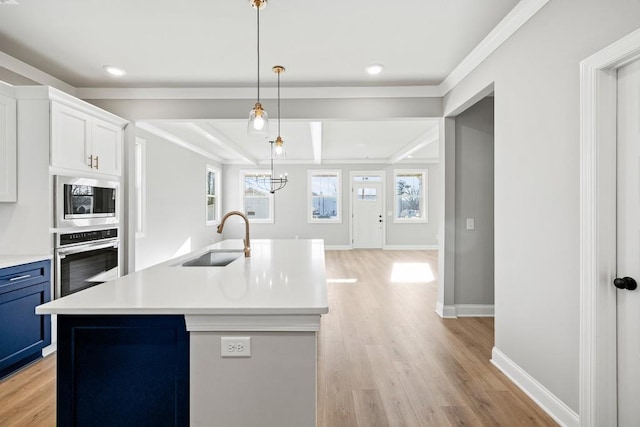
<point>471,224</point>
<point>235,346</point>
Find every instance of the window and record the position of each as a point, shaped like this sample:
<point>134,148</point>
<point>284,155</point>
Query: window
<point>257,201</point>
<point>212,195</point>
<point>411,200</point>
<point>140,153</point>
<point>324,194</point>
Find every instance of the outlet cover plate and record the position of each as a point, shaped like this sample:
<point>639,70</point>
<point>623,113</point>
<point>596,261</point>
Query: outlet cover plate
<point>235,346</point>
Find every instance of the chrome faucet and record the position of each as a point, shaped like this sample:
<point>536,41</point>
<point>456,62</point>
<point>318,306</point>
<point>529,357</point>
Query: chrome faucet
<point>247,244</point>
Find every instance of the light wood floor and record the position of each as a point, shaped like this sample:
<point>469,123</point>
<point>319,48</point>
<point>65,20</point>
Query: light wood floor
<point>385,358</point>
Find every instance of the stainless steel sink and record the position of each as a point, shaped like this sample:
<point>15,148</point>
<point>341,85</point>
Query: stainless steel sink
<point>212,259</point>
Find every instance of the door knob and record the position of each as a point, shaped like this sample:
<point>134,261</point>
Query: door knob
<point>625,283</point>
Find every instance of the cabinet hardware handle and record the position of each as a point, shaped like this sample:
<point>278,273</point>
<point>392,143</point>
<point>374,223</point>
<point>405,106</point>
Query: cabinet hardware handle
<point>25,276</point>
<point>91,161</point>
<point>97,167</point>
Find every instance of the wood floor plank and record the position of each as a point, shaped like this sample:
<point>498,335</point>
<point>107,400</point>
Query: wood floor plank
<point>424,395</point>
<point>28,396</point>
<point>369,408</point>
<point>396,403</point>
<point>338,407</point>
<point>462,416</point>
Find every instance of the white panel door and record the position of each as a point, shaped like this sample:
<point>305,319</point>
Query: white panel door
<point>628,242</point>
<point>367,214</point>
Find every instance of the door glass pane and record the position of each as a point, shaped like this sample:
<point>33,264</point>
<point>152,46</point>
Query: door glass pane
<point>367,194</point>
<point>367,178</point>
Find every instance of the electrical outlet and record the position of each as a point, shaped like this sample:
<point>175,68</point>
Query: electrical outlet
<point>235,346</point>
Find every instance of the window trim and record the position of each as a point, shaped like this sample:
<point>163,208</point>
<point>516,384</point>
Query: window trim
<point>423,196</point>
<point>218,175</point>
<point>310,218</point>
<point>243,174</point>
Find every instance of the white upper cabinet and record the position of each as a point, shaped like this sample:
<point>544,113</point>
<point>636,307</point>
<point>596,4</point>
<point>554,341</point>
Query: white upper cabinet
<point>8,158</point>
<point>83,142</point>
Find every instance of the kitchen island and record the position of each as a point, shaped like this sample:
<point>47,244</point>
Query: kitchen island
<point>185,344</point>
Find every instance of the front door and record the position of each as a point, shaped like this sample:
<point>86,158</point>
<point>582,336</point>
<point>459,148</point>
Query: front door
<point>367,214</point>
<point>628,244</point>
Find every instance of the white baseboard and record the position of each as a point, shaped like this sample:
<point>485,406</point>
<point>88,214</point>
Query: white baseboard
<point>553,406</point>
<point>446,311</point>
<point>338,247</point>
<point>410,247</point>
<point>50,349</point>
<point>464,310</point>
<point>474,310</point>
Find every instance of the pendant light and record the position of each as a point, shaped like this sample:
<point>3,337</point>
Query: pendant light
<point>270,183</point>
<point>278,69</point>
<point>258,118</point>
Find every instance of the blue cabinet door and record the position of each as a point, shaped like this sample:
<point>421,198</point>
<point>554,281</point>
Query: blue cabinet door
<point>122,371</point>
<point>23,334</point>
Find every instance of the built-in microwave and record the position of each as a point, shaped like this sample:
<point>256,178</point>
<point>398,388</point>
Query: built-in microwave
<point>81,202</point>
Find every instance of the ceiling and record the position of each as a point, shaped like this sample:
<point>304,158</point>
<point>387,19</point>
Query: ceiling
<point>212,44</point>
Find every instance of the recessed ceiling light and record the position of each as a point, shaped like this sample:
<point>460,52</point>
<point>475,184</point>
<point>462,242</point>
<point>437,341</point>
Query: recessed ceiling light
<point>374,69</point>
<point>114,71</point>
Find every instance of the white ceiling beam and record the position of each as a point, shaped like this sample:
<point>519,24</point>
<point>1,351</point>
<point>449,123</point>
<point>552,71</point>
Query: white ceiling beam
<point>23,69</point>
<point>424,139</point>
<point>161,133</point>
<point>221,140</point>
<point>316,141</point>
<point>267,92</point>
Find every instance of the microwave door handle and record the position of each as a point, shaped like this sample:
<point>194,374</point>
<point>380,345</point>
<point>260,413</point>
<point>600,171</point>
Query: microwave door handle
<point>85,248</point>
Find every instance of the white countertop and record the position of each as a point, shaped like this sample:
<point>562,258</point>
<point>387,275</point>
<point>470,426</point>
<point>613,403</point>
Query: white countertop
<point>13,260</point>
<point>282,277</point>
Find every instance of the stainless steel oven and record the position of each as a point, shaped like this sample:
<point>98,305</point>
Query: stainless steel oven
<point>84,259</point>
<point>82,202</point>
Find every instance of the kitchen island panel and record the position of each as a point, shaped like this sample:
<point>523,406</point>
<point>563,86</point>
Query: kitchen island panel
<point>122,370</point>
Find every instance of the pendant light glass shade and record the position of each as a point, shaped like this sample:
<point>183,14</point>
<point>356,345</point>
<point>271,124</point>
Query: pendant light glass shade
<point>258,122</point>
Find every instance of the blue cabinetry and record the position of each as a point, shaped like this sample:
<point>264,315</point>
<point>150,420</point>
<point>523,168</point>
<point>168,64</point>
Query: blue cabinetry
<point>122,371</point>
<point>23,334</point>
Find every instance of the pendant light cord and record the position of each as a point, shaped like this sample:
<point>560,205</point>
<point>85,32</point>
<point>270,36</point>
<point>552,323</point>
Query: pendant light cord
<point>258,49</point>
<point>279,103</point>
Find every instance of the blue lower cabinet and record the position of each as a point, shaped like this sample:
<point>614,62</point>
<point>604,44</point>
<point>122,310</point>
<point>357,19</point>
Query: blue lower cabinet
<point>122,371</point>
<point>23,333</point>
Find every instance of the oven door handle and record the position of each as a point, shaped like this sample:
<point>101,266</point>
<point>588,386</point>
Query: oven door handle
<point>63,252</point>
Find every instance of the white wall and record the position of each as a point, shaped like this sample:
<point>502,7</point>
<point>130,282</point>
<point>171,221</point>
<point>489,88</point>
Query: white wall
<point>474,260</point>
<point>24,226</point>
<point>536,77</point>
<point>291,207</point>
<point>175,220</point>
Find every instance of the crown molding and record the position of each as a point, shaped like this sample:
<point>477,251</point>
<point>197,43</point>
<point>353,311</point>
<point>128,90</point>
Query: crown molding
<point>319,92</point>
<point>511,23</point>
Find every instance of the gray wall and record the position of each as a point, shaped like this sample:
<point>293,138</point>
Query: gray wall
<point>175,220</point>
<point>290,207</point>
<point>474,199</point>
<point>537,190</point>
